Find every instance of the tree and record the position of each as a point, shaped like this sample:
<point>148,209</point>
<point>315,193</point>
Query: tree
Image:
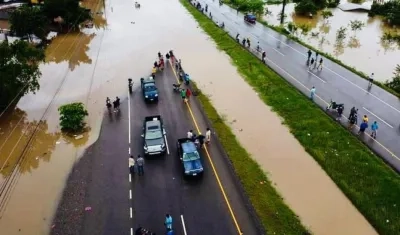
<point>283,11</point>
<point>341,34</point>
<point>71,13</point>
<point>395,82</point>
<point>19,70</point>
<point>306,7</point>
<point>356,25</point>
<point>72,117</point>
<point>326,14</point>
<point>27,20</point>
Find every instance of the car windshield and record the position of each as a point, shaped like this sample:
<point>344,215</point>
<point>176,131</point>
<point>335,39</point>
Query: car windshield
<point>149,87</point>
<point>153,132</point>
<point>191,156</point>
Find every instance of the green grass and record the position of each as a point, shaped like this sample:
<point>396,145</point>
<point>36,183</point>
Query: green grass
<point>368,182</point>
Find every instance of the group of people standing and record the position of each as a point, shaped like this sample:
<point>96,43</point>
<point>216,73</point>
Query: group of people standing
<point>116,103</point>
<point>312,63</point>
<point>140,165</point>
<point>200,139</point>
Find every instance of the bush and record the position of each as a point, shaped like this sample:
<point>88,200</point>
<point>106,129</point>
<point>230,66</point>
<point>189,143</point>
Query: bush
<point>72,117</point>
<point>395,82</point>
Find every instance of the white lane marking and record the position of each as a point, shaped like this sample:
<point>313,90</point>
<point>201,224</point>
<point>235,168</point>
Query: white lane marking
<point>377,117</point>
<point>322,80</point>
<point>130,178</point>
<point>278,51</point>
<point>130,211</point>
<point>183,225</point>
<point>131,231</point>
<point>130,194</point>
<point>390,152</point>
<point>129,150</point>
<point>129,118</point>
<point>166,143</point>
<point>340,76</point>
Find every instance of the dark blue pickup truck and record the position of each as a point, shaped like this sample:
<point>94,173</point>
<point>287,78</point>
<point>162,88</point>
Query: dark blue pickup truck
<point>190,157</point>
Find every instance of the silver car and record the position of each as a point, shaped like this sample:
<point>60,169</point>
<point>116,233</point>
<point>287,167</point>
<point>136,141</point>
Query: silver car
<point>153,136</point>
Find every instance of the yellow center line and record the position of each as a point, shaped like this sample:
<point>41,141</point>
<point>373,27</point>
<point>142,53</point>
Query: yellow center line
<point>209,158</point>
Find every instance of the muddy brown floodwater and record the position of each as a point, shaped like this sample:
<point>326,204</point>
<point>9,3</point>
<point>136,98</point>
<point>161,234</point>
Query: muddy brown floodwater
<point>96,63</point>
<point>363,50</point>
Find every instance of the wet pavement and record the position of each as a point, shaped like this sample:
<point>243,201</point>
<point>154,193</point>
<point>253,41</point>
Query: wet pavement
<point>101,179</point>
<point>332,83</point>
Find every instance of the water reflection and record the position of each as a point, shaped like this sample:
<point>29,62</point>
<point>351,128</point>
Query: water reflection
<point>70,47</point>
<point>16,127</point>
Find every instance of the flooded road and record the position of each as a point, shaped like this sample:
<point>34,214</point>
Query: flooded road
<point>363,49</point>
<point>96,63</point>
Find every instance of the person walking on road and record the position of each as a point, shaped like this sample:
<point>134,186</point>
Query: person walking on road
<point>370,80</point>
<point>311,63</point>
<point>374,129</point>
<point>309,53</point>
<point>201,138</point>
<point>208,135</point>
<point>340,112</point>
<point>320,64</point>
<point>168,221</point>
<point>363,127</point>
<point>316,56</point>
<point>131,165</point>
<point>140,164</point>
<point>312,93</point>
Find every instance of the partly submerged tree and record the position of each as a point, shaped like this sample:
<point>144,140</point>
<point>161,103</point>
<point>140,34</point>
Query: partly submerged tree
<point>306,7</point>
<point>27,20</point>
<point>19,70</point>
<point>341,34</point>
<point>326,14</point>
<point>72,117</point>
<point>356,25</point>
<point>66,12</point>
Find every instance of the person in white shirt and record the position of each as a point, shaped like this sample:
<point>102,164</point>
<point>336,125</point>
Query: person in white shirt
<point>132,165</point>
<point>208,135</point>
<point>190,134</point>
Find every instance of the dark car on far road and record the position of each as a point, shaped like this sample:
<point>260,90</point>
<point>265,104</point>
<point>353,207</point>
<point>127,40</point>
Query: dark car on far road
<point>154,136</point>
<point>149,89</point>
<point>190,157</point>
<point>250,18</point>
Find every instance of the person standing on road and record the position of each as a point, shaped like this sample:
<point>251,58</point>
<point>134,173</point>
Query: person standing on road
<point>263,55</point>
<point>183,94</point>
<point>316,56</point>
<point>365,118</point>
<point>374,129</point>
<point>190,134</point>
<point>170,232</point>
<point>340,112</point>
<point>208,135</point>
<point>201,140</point>
<point>168,221</point>
<point>320,64</point>
<point>309,53</point>
<point>188,93</point>
<point>140,164</point>
<point>132,165</point>
<point>312,93</point>
<point>363,127</point>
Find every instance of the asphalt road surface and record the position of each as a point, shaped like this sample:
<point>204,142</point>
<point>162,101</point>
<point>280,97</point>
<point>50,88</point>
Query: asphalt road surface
<point>333,82</point>
<point>120,202</point>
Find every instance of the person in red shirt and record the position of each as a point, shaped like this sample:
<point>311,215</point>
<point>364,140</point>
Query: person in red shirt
<point>188,93</point>
<point>161,63</point>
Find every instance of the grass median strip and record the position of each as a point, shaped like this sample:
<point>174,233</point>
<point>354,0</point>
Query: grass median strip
<point>368,182</point>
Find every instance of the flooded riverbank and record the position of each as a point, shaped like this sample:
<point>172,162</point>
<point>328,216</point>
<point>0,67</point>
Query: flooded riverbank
<point>96,63</point>
<point>363,50</point>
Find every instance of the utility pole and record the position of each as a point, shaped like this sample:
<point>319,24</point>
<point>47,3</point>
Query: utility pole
<point>283,11</point>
